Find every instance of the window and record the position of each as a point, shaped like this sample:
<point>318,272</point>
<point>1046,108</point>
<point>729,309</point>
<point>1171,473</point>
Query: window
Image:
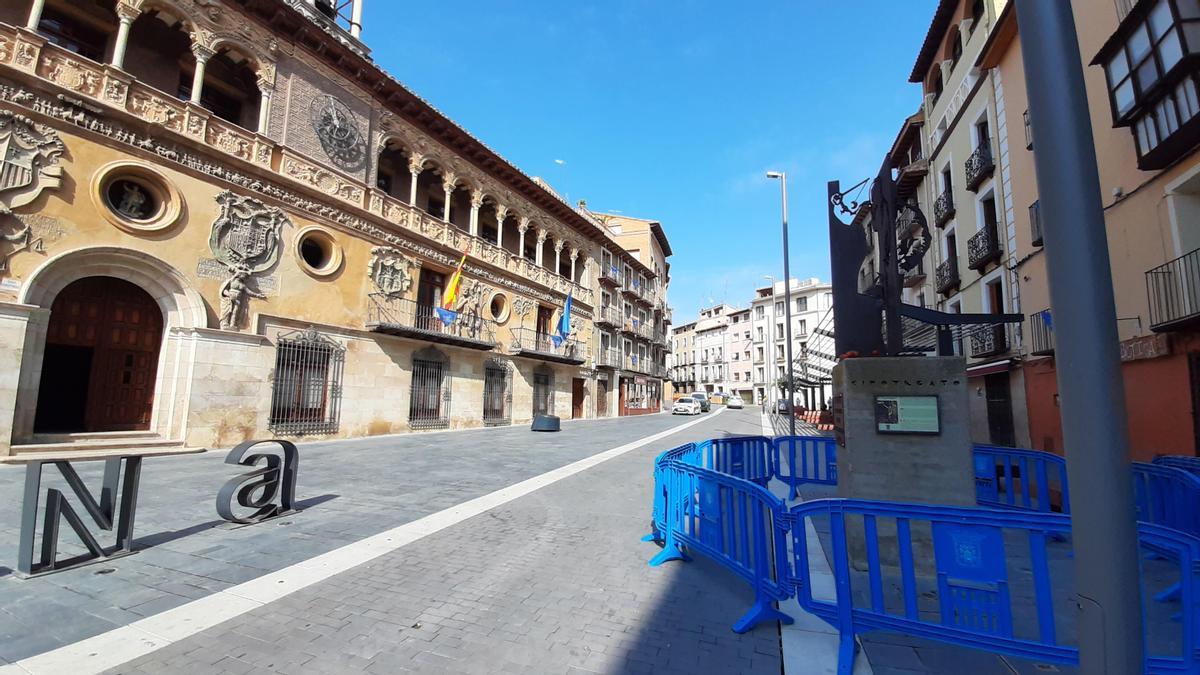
<point>1028,132</point>
<point>759,312</point>
<point>956,50</point>
<point>306,392</point>
<point>1035,222</point>
<point>779,331</point>
<point>801,304</point>
<point>937,85</point>
<point>983,135</point>
<point>497,397</point>
<point>947,180</point>
<point>429,399</point>
<point>803,326</point>
<point>86,39</point>
<point>779,309</point>
<point>760,332</point>
<point>1152,87</point>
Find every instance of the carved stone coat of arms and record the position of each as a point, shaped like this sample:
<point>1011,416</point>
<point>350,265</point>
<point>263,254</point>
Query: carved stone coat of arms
<point>245,238</point>
<point>29,154</point>
<point>390,271</point>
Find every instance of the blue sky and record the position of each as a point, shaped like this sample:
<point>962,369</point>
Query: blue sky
<point>674,110</point>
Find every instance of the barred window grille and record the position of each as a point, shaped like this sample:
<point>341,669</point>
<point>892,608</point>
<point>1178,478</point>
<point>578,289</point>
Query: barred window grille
<point>543,392</point>
<point>307,388</point>
<point>429,402</point>
<point>497,393</point>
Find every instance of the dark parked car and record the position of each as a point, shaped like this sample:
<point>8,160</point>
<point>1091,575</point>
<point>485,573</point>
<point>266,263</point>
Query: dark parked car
<point>702,397</point>
<point>783,406</point>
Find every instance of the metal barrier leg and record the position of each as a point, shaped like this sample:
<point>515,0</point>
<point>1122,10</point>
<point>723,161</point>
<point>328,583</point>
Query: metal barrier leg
<point>671,551</point>
<point>763,610</point>
<point>846,649</point>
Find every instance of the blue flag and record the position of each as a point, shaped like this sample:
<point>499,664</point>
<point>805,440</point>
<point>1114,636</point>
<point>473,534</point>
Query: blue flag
<point>564,324</point>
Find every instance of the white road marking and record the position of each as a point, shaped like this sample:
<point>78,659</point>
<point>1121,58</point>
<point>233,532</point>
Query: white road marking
<point>124,644</point>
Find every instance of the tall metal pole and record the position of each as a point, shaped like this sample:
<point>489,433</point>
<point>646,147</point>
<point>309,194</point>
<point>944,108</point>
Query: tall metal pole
<point>1089,368</point>
<point>787,305</point>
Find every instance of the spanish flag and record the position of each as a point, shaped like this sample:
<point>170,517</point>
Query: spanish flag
<point>446,312</point>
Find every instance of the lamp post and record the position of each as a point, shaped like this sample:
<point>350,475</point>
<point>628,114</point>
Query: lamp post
<point>1103,530</point>
<point>787,303</point>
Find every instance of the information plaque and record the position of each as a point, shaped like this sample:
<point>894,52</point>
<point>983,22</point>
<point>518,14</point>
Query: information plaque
<point>907,415</point>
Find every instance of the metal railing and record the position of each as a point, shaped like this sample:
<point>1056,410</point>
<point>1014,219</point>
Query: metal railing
<point>608,358</point>
<point>979,166</point>
<point>610,315</point>
<point>530,340</point>
<point>1041,333</point>
<point>943,208</point>
<point>989,341</point>
<point>412,319</point>
<point>610,274</point>
<point>946,275</point>
<point>306,393</point>
<point>1174,291</point>
<point>983,247</point>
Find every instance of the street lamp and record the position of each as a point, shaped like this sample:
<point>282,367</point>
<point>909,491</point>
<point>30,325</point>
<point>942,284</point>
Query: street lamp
<point>787,302</point>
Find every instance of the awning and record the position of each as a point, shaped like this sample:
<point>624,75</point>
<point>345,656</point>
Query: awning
<point>982,369</point>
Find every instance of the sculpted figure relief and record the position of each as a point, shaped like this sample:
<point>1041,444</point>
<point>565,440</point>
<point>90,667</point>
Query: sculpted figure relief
<point>245,238</point>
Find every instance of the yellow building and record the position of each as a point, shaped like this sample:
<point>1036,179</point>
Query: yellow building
<point>223,220</point>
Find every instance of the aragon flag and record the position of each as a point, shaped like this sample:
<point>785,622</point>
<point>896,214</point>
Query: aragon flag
<point>446,312</point>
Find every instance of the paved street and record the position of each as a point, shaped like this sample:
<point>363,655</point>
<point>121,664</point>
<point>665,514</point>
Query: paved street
<point>555,581</point>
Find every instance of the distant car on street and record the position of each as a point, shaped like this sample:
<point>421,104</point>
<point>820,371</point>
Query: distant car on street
<point>735,403</point>
<point>702,398</point>
<point>686,406</point>
<point>783,406</point>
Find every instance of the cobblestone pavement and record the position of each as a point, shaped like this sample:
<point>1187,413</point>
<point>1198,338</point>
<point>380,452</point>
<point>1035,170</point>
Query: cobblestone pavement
<point>553,582</point>
<point>348,490</point>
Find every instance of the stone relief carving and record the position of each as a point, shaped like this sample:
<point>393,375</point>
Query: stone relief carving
<point>522,307</point>
<point>325,181</point>
<point>471,298</point>
<point>337,128</point>
<point>29,154</point>
<point>72,74</point>
<point>391,271</point>
<point>79,117</point>
<point>245,238</point>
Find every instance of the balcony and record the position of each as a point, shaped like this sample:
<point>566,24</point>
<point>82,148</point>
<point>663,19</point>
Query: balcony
<point>406,318</point>
<point>608,358</point>
<point>943,209</point>
<point>610,275</point>
<point>1174,291</point>
<point>645,330</point>
<point>946,277</point>
<point>609,315</point>
<point>629,326</point>
<point>983,248</point>
<point>637,364</point>
<point>703,359</point>
<point>532,344</point>
<point>909,177</point>
<point>979,167</point>
<point>1041,334</point>
<point>632,289</point>
<point>915,276</point>
<point>989,341</point>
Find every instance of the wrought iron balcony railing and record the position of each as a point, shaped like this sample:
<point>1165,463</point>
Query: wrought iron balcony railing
<point>943,209</point>
<point>609,315</point>
<point>608,358</point>
<point>1041,333</point>
<point>983,248</point>
<point>609,274</point>
<point>407,318</point>
<point>989,341</point>
<point>1174,292</point>
<point>529,342</point>
<point>915,276</point>
<point>979,166</point>
<point>946,276</point>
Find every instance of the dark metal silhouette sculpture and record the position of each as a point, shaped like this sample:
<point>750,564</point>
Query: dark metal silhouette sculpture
<point>275,478</point>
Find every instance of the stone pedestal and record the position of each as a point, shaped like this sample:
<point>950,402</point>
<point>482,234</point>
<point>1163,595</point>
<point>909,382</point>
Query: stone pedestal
<point>925,468</point>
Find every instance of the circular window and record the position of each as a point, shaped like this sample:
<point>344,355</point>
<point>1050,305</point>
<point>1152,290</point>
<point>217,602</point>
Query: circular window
<point>498,307</point>
<point>317,251</point>
<point>135,197</point>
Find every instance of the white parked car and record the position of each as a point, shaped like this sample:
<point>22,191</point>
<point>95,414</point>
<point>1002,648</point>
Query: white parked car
<point>735,403</point>
<point>686,406</point>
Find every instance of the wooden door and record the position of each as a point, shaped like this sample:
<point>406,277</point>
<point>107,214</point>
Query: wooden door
<point>114,330</point>
<point>601,398</point>
<point>577,396</point>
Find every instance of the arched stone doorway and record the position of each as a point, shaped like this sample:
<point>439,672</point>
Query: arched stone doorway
<point>101,358</point>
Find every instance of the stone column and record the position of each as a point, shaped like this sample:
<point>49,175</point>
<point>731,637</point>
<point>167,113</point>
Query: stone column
<point>574,257</point>
<point>415,164</point>
<point>264,105</point>
<point>35,14</point>
<point>126,15</point>
<point>448,186</point>
<point>202,54</point>
<point>501,214</point>
<point>522,228</point>
<point>541,241</point>
<point>558,247</point>
<point>476,202</point>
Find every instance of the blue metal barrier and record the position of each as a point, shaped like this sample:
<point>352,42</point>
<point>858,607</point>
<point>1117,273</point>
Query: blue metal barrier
<point>977,568</point>
<point>735,523</point>
<point>797,460</point>
<point>972,549</point>
<point>1187,463</point>
<point>1017,478</point>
